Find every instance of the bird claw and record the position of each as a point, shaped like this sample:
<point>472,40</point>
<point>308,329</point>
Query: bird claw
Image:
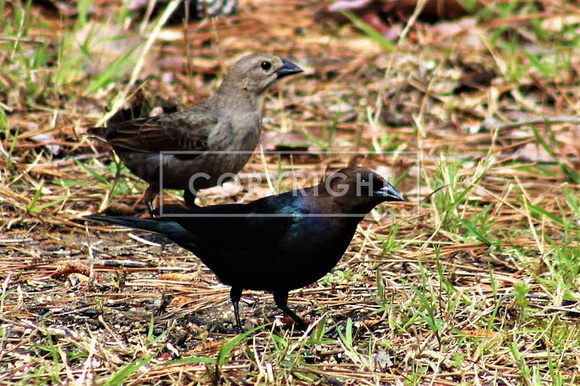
<point>152,212</point>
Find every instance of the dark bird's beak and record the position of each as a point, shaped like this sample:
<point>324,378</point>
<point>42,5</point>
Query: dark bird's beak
<point>287,69</point>
<point>389,193</point>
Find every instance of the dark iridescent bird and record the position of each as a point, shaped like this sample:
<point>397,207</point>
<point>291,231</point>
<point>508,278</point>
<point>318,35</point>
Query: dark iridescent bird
<point>277,243</point>
<point>204,142</point>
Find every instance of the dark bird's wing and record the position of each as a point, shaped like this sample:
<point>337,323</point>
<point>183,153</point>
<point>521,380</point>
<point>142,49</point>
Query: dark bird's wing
<point>230,229</point>
<point>183,131</point>
<point>265,222</point>
<point>230,226</point>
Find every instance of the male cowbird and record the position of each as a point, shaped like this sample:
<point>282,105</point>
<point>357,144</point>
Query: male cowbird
<point>277,243</point>
<point>202,143</point>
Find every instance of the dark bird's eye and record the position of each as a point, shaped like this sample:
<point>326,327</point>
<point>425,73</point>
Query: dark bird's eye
<point>266,66</point>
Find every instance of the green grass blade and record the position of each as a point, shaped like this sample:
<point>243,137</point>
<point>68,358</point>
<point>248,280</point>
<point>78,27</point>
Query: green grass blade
<point>372,33</point>
<point>93,173</point>
<point>119,377</point>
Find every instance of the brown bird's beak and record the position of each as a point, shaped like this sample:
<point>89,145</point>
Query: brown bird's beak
<point>287,69</point>
<point>389,193</point>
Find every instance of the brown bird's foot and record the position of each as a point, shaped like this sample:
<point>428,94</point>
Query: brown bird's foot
<point>281,299</point>
<point>235,296</point>
<point>150,209</point>
<point>150,194</point>
<point>189,198</point>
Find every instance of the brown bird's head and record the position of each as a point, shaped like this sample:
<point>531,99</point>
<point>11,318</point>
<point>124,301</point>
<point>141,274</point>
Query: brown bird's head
<point>357,190</point>
<point>256,72</point>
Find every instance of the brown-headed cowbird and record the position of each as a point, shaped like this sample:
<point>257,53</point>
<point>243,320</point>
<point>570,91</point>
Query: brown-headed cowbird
<point>199,145</point>
<point>277,243</point>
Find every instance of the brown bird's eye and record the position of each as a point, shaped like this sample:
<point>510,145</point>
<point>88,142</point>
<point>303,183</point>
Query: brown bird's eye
<point>266,66</point>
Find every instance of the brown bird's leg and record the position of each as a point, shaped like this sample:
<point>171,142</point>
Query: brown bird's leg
<point>236,295</point>
<point>281,299</point>
<point>150,194</point>
<point>189,198</point>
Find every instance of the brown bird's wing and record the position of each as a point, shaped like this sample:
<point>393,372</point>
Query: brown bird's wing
<point>183,131</point>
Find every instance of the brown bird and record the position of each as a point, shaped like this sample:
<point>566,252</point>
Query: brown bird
<point>199,145</point>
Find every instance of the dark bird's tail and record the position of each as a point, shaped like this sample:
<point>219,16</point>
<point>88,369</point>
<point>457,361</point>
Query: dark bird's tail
<point>170,229</point>
<point>145,224</point>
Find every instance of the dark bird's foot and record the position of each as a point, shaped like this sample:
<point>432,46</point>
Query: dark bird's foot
<point>281,299</point>
<point>236,295</point>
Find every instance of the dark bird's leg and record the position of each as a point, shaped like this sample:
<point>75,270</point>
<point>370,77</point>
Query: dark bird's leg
<point>236,295</point>
<point>150,194</point>
<point>281,299</point>
<point>189,198</point>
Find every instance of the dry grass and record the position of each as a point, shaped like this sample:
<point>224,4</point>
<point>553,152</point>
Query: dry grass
<point>476,280</point>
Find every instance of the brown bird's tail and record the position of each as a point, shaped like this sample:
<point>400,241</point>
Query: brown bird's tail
<point>99,133</point>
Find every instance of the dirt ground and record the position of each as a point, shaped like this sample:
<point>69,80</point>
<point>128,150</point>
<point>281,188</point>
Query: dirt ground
<point>473,280</point>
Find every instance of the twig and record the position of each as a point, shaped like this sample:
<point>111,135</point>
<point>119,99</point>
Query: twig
<point>494,124</point>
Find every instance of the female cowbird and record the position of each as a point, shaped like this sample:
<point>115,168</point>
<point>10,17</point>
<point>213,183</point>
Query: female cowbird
<point>277,243</point>
<point>198,145</point>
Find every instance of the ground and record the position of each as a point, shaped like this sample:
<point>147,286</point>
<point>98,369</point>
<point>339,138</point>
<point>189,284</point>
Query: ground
<point>473,280</point>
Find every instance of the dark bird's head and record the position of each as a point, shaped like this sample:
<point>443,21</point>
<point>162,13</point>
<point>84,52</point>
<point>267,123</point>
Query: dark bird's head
<point>256,72</point>
<point>357,190</point>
